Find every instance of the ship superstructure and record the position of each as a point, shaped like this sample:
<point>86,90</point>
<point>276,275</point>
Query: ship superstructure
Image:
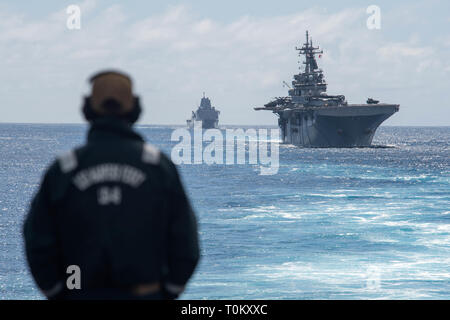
<point>310,117</point>
<point>205,116</point>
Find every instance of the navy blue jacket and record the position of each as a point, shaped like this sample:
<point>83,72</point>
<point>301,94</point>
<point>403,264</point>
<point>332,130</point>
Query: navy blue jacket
<point>116,209</point>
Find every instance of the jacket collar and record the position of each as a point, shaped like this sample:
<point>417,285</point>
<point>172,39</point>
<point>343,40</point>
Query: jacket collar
<point>109,128</point>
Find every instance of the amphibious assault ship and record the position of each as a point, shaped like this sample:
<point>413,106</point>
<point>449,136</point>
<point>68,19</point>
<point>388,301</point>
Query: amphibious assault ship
<point>206,116</point>
<point>309,117</point>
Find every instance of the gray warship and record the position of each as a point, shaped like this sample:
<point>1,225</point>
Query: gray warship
<point>309,117</point>
<point>206,116</point>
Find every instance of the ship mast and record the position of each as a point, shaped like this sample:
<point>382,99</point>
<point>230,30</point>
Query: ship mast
<point>309,51</point>
<point>310,82</point>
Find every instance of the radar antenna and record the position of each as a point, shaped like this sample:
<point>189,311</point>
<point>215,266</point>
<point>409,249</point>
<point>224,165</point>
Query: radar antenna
<point>309,51</point>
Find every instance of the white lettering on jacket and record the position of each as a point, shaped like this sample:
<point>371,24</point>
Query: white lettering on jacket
<point>109,172</point>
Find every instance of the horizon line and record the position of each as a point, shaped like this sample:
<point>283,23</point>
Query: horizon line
<point>182,125</point>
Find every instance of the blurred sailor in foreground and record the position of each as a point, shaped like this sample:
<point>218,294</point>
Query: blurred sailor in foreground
<point>113,212</point>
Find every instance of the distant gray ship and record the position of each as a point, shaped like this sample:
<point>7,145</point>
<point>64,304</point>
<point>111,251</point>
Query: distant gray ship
<point>309,117</point>
<point>205,116</point>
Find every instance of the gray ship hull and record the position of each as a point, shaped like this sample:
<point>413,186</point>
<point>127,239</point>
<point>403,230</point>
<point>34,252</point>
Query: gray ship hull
<point>210,124</point>
<point>204,124</point>
<point>340,126</point>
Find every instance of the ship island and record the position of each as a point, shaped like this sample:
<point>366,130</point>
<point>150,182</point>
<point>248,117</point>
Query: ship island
<point>309,117</point>
<point>206,116</point>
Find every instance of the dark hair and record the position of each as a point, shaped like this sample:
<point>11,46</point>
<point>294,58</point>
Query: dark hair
<point>111,106</point>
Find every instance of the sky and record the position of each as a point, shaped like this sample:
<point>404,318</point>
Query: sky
<point>237,52</point>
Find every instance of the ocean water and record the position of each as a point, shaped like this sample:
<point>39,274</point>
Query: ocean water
<point>360,223</point>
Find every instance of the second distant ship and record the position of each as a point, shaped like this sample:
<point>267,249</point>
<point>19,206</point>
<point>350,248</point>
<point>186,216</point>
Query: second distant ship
<point>206,116</point>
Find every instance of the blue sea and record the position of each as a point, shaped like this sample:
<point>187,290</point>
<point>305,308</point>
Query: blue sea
<point>359,223</point>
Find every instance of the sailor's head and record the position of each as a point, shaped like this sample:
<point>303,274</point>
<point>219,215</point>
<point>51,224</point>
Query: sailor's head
<point>111,95</point>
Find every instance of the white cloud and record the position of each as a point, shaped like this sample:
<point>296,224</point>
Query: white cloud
<point>176,55</point>
<point>402,50</point>
<point>203,26</point>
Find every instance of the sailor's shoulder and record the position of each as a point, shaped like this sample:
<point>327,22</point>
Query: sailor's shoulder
<point>158,160</point>
<point>67,161</point>
<point>151,154</point>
